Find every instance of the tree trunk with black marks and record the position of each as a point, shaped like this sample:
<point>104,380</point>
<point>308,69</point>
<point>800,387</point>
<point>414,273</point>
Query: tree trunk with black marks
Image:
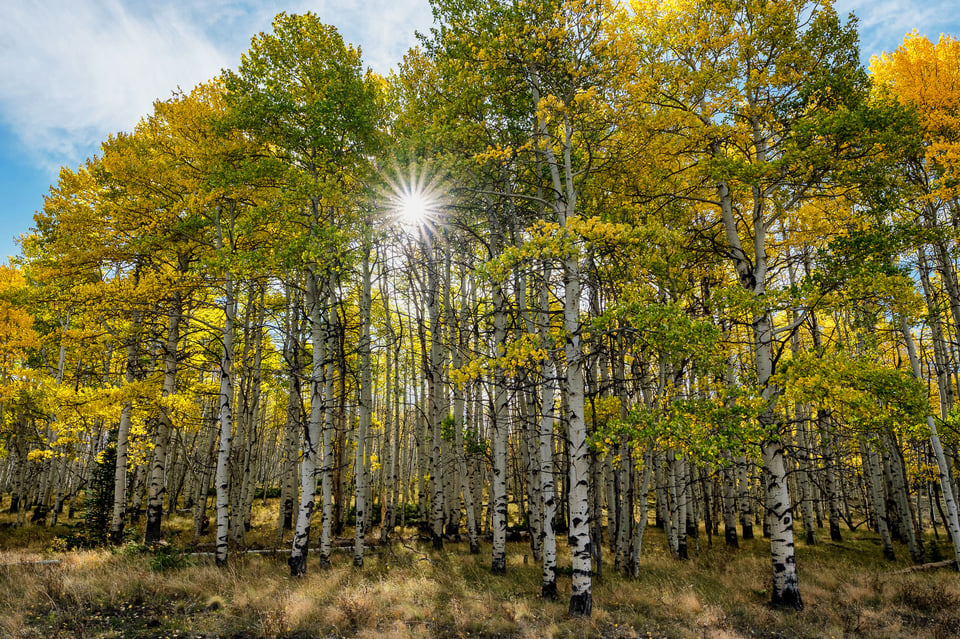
<point>328,416</point>
<point>158,464</point>
<point>311,445</point>
<point>460,420</point>
<point>289,451</point>
<point>366,406</point>
<point>498,492</point>
<point>225,419</point>
<point>642,495</point>
<point>875,486</point>
<point>829,454</point>
<point>729,479</point>
<point>943,467</point>
<point>432,372</point>
<point>123,444</point>
<point>548,589</point>
<point>581,596</point>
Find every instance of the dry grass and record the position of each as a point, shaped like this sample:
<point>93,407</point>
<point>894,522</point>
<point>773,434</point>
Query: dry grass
<point>720,594</point>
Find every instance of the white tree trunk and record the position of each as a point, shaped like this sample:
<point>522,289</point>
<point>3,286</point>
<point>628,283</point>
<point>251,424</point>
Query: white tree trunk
<point>329,426</point>
<point>460,421</point>
<point>366,409</point>
<point>158,465</point>
<point>123,443</point>
<point>433,371</point>
<point>289,452</point>
<point>643,491</point>
<point>310,446</point>
<point>498,506</point>
<point>943,467</point>
<point>581,596</point>
<point>225,418</point>
<point>548,491</point>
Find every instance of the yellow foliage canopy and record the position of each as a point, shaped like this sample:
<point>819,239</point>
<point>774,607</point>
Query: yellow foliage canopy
<point>926,76</point>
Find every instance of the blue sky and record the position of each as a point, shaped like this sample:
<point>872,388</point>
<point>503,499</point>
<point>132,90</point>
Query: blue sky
<point>74,71</point>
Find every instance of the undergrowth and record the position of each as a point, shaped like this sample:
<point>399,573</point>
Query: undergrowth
<point>405,589</point>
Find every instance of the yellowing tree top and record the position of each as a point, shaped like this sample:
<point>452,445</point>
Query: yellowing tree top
<point>927,76</point>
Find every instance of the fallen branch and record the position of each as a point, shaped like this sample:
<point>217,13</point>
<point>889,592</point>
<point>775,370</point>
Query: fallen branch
<point>370,550</point>
<point>32,562</point>
<point>923,567</point>
<point>423,556</point>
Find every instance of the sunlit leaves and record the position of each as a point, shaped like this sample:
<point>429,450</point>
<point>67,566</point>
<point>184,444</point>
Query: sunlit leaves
<point>861,393</point>
<point>926,76</point>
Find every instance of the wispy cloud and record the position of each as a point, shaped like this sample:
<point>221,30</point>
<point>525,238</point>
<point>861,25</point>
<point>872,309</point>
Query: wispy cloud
<point>384,29</point>
<point>884,23</point>
<point>73,71</point>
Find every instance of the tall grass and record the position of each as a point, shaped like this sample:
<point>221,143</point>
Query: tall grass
<point>407,590</point>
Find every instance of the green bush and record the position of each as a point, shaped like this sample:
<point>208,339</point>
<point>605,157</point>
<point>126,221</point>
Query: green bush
<point>167,557</point>
<point>98,501</point>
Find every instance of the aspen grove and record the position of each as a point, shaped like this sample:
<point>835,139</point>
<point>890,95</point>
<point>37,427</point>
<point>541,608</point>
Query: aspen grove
<point>575,268</point>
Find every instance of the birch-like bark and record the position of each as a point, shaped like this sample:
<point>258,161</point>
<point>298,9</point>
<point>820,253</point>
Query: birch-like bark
<point>433,367</point>
<point>808,493</point>
<point>499,426</point>
<point>329,423</point>
<point>225,404</point>
<point>693,499</point>
<point>250,408</point>
<point>624,496</point>
<point>875,486</point>
<point>565,189</point>
<point>548,589</point>
<point>139,485</point>
<point>311,445</point>
<point>643,494</point>
<point>625,471</point>
<point>289,453</point>
<point>207,465</point>
<point>943,467</point>
<point>581,596</point>
<point>729,480</point>
<point>744,501</point>
<point>900,496</point>
<point>389,436</point>
<point>460,331</point>
<point>802,419</point>
<point>683,506</point>
<point>366,407</point>
<point>158,465</point>
<point>828,452</point>
<point>752,273</point>
<point>529,441</point>
<point>673,511</point>
<point>123,444</point>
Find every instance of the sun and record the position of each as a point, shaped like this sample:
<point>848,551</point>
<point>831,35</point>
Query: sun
<point>414,199</point>
<point>414,208</point>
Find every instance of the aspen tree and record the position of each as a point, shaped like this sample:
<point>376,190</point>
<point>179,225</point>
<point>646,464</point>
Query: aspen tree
<point>366,400</point>
<point>925,76</point>
<point>300,92</point>
<point>739,65</point>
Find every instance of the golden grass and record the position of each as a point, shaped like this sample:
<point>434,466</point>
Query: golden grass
<point>410,591</point>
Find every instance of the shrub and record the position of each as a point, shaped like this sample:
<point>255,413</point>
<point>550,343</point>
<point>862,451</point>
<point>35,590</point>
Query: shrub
<point>98,503</point>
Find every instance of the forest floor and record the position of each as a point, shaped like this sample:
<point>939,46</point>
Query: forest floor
<point>406,589</point>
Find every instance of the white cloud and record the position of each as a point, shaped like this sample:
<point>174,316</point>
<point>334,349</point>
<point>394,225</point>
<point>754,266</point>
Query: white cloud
<point>384,29</point>
<point>74,71</point>
<point>884,23</point>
